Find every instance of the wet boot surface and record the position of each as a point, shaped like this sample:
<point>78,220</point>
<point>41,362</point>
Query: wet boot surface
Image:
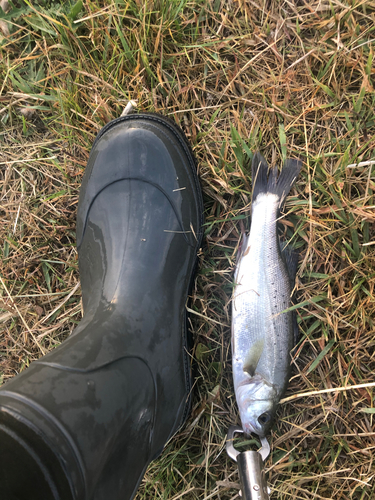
<point>86,419</point>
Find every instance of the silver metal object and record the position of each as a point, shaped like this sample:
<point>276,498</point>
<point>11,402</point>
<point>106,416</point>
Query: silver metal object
<point>129,108</point>
<point>250,467</point>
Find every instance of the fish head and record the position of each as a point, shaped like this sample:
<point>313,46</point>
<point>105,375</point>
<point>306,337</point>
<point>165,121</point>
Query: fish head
<point>257,401</point>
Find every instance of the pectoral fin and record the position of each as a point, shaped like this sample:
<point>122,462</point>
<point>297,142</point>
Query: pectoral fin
<point>253,357</point>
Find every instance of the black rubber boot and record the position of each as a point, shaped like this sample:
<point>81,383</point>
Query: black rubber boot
<point>84,421</point>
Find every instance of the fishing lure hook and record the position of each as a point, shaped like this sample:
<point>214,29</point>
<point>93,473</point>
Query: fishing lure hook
<point>250,467</point>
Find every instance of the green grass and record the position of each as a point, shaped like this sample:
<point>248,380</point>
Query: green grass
<point>291,79</point>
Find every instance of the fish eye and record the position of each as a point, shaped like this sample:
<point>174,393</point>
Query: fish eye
<point>264,418</point>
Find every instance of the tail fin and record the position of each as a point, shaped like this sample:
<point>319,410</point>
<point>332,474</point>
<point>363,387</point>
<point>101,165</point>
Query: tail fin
<point>265,179</point>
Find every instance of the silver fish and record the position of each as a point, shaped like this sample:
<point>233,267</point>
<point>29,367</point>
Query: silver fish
<point>262,334</point>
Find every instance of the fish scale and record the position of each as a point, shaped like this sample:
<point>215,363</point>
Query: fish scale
<point>262,334</point>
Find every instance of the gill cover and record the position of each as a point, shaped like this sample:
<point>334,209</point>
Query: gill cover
<point>257,401</point>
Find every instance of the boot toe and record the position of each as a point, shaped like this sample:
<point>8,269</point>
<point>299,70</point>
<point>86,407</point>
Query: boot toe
<point>147,148</point>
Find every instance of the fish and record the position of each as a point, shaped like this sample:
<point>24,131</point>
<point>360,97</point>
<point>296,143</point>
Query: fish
<point>263,332</point>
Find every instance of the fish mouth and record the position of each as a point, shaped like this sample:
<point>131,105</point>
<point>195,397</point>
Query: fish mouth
<point>259,430</point>
<point>249,429</point>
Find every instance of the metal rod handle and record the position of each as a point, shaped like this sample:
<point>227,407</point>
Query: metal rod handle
<point>252,476</point>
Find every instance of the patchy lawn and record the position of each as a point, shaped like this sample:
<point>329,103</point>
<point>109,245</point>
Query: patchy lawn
<point>288,78</point>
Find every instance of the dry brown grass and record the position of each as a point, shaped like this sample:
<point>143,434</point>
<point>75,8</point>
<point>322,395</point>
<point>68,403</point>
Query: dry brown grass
<point>290,78</point>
